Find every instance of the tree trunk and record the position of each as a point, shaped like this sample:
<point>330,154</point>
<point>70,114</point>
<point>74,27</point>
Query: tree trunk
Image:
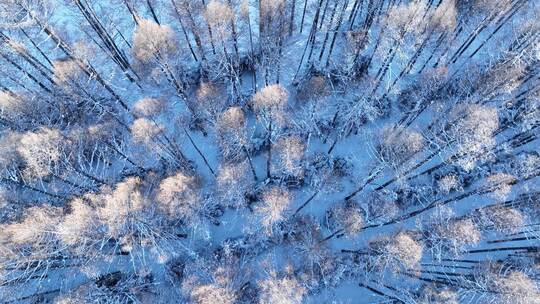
<point>179,17</point>
<point>250,163</point>
<point>200,153</point>
<point>210,31</point>
<point>327,34</point>
<point>336,31</point>
<point>354,12</point>
<point>324,13</point>
<point>152,11</point>
<point>269,159</point>
<point>291,19</point>
<point>303,16</point>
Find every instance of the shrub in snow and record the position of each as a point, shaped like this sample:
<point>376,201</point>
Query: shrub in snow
<point>448,183</point>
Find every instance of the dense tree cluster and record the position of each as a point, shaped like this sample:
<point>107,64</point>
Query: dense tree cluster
<point>269,151</point>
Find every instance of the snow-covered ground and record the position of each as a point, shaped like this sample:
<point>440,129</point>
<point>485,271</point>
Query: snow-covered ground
<point>272,151</point>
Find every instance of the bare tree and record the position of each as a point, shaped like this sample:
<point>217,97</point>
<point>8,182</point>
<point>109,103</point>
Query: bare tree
<point>435,294</point>
<point>153,135</point>
<point>212,293</point>
<point>514,287</point>
<point>289,157</point>
<point>127,214</point>
<point>473,131</point>
<point>281,290</point>
<point>234,184</point>
<point>272,208</point>
<point>41,151</point>
<point>397,145</point>
<point>403,159</point>
<point>399,252</point>
<point>80,228</point>
<point>348,217</point>
<point>180,198</point>
<point>448,236</point>
<point>210,103</point>
<point>269,104</point>
<point>155,47</point>
<point>501,218</point>
<point>232,133</point>
<point>30,247</point>
<point>149,107</point>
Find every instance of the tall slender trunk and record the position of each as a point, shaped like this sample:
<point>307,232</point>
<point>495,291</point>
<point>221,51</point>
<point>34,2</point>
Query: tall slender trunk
<point>502,22</point>
<point>25,185</point>
<point>252,54</point>
<point>30,76</point>
<point>327,34</point>
<point>132,12</point>
<point>354,12</point>
<point>250,163</point>
<point>438,43</point>
<point>409,65</point>
<point>261,24</point>
<point>303,16</point>
<point>234,33</point>
<point>28,57</point>
<point>49,61</point>
<point>182,26</point>
<point>291,19</point>
<point>210,33</point>
<point>124,156</point>
<point>18,82</point>
<point>314,30</point>
<point>475,33</point>
<point>200,153</point>
<point>280,53</point>
<point>87,68</point>
<point>111,47</point>
<point>280,42</point>
<point>152,11</point>
<point>195,32</point>
<point>309,41</point>
<point>336,31</point>
<point>324,12</point>
<point>269,158</point>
